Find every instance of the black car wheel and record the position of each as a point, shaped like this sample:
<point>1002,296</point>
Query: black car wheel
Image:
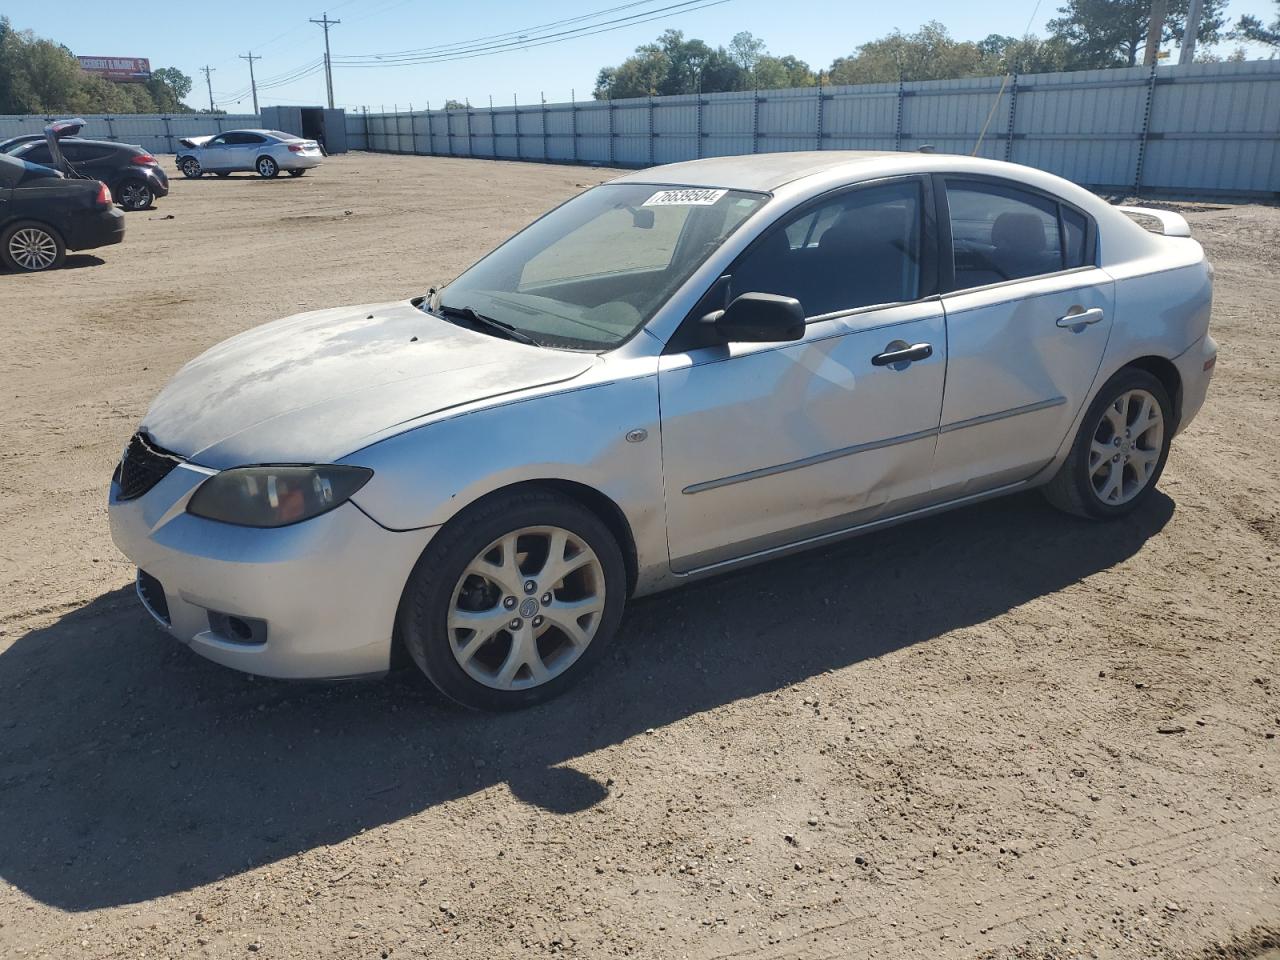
<point>190,168</point>
<point>223,173</point>
<point>134,195</point>
<point>296,173</point>
<point>30,246</point>
<point>267,167</point>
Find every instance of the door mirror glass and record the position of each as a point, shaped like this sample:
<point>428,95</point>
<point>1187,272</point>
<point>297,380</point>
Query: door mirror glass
<point>759,318</point>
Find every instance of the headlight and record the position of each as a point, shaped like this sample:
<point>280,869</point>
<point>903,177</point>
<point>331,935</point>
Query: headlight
<point>276,496</point>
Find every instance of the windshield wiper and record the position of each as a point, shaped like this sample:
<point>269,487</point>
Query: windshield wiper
<point>505,329</point>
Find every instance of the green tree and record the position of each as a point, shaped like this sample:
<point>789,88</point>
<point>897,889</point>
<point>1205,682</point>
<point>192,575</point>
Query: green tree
<point>928,54</point>
<point>1113,33</point>
<point>673,64</point>
<point>746,49</point>
<point>1250,27</point>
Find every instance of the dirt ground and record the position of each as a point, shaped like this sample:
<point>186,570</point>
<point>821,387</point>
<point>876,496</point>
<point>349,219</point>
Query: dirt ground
<point>939,741</point>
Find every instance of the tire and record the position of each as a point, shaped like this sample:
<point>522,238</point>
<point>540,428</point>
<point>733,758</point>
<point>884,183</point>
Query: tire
<point>222,173</point>
<point>30,247</point>
<point>296,173</point>
<point>190,168</point>
<point>267,168</point>
<point>442,590</point>
<point>1131,419</point>
<point>134,195</point>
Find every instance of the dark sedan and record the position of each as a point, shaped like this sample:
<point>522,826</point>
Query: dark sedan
<point>134,176</point>
<point>44,214</point>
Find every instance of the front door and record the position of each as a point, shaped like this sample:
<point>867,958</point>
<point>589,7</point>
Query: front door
<point>1027,322</point>
<point>216,154</point>
<point>770,444</point>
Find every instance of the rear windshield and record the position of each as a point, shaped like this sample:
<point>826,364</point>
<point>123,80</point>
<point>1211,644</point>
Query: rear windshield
<point>281,135</point>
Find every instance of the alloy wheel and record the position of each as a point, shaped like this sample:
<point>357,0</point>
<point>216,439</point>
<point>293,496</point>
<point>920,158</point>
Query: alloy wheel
<point>1126,447</point>
<point>191,168</point>
<point>526,608</point>
<point>267,167</point>
<point>33,249</point>
<point>135,196</point>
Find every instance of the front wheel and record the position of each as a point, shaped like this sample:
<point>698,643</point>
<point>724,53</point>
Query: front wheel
<point>267,167</point>
<point>190,168</point>
<point>514,600</point>
<point>1120,451</point>
<point>30,247</point>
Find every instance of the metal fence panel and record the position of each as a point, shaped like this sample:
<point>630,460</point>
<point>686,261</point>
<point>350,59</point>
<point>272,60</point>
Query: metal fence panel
<point>157,133</point>
<point>1198,129</point>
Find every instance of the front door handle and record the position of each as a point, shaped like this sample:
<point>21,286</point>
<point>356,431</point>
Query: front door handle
<point>1081,318</point>
<point>902,353</point>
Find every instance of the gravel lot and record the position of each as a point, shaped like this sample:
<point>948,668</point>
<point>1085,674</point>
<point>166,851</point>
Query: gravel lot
<point>940,741</point>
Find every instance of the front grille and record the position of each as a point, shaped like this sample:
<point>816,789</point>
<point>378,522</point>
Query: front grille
<point>143,466</point>
<point>152,594</point>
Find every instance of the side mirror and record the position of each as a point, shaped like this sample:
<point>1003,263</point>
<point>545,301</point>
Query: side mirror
<point>759,318</point>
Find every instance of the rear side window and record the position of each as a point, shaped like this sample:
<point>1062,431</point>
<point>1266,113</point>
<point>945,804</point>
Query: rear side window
<point>857,249</point>
<point>1000,233</point>
<point>1075,234</point>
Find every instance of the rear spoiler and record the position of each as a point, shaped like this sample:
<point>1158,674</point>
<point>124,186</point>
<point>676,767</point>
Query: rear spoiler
<point>1171,224</point>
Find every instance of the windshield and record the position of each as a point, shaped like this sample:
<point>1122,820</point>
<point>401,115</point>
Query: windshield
<point>592,272</point>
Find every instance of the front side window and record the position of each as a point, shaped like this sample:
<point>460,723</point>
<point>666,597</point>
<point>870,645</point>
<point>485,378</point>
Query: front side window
<point>858,249</point>
<point>218,141</point>
<point>1001,233</point>
<point>592,272</point>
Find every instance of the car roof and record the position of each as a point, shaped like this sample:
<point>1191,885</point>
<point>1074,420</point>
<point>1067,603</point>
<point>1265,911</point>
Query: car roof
<point>767,172</point>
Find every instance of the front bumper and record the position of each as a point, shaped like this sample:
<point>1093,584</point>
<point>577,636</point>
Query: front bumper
<point>319,598</point>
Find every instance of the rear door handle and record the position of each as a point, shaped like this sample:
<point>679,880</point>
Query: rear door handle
<point>1082,319</point>
<point>903,354</point>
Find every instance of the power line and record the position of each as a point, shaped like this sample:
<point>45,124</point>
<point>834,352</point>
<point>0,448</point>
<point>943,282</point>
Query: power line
<point>486,50</point>
<point>328,60</point>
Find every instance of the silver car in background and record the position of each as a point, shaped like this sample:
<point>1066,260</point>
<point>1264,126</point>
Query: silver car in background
<point>685,370</point>
<point>264,152</point>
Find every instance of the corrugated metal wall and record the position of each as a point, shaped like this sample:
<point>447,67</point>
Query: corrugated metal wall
<point>158,134</point>
<point>1208,129</point>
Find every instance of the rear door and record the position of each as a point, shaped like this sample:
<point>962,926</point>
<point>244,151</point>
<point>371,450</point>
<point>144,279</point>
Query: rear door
<point>248,147</point>
<point>1028,318</point>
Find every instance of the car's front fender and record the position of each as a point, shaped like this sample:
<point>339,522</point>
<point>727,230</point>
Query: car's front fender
<point>604,436</point>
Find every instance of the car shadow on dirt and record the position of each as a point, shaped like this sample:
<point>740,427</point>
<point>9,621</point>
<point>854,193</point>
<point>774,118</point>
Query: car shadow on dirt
<point>131,769</point>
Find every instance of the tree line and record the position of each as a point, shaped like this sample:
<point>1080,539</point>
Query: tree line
<point>1086,35</point>
<point>43,77</point>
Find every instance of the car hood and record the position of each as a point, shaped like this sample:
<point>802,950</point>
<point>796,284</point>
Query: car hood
<point>318,386</point>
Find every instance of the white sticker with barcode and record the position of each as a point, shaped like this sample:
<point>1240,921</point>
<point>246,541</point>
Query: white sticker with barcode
<point>684,198</point>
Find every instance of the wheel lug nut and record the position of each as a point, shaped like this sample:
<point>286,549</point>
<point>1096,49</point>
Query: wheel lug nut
<point>514,624</point>
<point>1116,441</point>
<point>1116,458</point>
<point>537,621</point>
<point>509,603</point>
<point>530,586</point>
<point>546,598</point>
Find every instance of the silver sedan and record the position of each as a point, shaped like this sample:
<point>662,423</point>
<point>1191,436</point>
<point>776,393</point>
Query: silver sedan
<point>264,152</point>
<point>685,370</point>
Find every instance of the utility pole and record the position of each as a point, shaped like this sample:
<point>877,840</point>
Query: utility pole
<point>1155,31</point>
<point>328,66</point>
<point>209,85</point>
<point>1188,52</point>
<point>252,82</point>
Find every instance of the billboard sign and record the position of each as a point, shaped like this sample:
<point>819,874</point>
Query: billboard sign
<point>119,69</point>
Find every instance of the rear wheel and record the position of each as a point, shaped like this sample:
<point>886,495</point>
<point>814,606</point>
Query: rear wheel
<point>190,168</point>
<point>1120,451</point>
<point>267,167</point>
<point>296,173</point>
<point>30,247</point>
<point>514,600</point>
<point>134,195</point>
<point>223,173</point>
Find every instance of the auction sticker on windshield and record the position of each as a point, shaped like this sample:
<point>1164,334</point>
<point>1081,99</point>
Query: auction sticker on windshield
<point>684,198</point>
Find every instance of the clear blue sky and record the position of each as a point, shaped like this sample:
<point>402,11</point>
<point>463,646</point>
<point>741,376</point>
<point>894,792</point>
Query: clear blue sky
<point>189,36</point>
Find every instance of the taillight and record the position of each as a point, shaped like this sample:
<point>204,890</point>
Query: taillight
<point>297,147</point>
<point>104,195</point>
<point>144,160</point>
